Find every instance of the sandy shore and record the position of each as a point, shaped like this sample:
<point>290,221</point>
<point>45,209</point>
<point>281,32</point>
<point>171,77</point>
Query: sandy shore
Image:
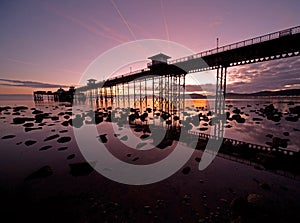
<point>226,191</point>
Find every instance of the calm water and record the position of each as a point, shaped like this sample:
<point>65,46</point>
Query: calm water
<point>223,180</point>
<point>251,131</point>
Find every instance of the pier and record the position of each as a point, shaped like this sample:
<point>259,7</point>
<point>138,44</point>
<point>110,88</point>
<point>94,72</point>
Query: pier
<point>59,96</point>
<point>161,85</point>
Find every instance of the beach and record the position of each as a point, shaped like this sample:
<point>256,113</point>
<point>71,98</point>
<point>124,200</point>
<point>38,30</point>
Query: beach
<point>228,190</point>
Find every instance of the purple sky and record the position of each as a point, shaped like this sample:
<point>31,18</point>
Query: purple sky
<point>49,43</point>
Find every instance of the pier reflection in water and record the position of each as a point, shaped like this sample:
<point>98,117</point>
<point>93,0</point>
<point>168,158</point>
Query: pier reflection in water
<point>245,140</point>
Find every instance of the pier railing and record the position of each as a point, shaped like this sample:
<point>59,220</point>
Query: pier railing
<point>248,42</point>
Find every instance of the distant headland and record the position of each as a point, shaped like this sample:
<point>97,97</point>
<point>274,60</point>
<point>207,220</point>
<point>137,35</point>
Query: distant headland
<point>289,92</point>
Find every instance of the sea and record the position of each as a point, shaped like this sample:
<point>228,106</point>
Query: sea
<point>69,194</point>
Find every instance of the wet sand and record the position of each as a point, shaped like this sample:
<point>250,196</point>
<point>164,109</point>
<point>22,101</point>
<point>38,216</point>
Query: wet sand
<point>227,191</point>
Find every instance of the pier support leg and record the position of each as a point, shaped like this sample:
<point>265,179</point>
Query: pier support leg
<point>220,102</point>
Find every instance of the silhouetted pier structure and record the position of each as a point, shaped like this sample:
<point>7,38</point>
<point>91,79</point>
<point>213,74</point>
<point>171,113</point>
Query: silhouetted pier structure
<point>166,79</point>
<point>59,96</point>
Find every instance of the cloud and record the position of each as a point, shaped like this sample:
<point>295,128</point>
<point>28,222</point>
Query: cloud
<point>29,84</point>
<point>272,75</point>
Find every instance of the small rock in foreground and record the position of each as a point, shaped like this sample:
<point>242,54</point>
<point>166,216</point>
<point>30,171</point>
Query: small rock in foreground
<point>45,171</point>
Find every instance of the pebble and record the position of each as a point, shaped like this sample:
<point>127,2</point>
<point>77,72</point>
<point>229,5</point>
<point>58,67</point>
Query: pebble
<point>70,156</point>
<point>51,137</point>
<point>81,169</point>
<point>135,159</point>
<point>186,170</point>
<point>140,145</point>
<point>30,142</point>
<point>124,138</point>
<point>102,138</point>
<point>27,129</point>
<point>265,186</point>
<point>45,171</point>
<point>62,148</point>
<point>64,139</point>
<point>8,137</point>
<point>45,148</point>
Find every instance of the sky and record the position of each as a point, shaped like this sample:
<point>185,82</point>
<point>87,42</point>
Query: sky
<point>47,44</point>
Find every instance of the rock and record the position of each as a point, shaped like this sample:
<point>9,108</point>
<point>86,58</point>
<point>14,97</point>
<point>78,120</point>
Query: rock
<point>202,129</point>
<point>135,159</point>
<point>8,137</point>
<point>81,169</point>
<point>257,119</point>
<point>238,118</point>
<point>62,148</point>
<point>35,112</point>
<point>269,135</point>
<point>43,172</point>
<point>164,143</point>
<point>144,136</point>
<point>65,123</point>
<point>102,138</point>
<point>292,118</point>
<point>236,111</point>
<point>54,118</point>
<point>69,113</point>
<point>51,137</point>
<point>128,155</point>
<point>21,120</point>
<point>70,157</point>
<point>186,170</point>
<point>124,138</point>
<point>77,122</point>
<point>140,145</point>
<point>27,129</point>
<point>5,108</point>
<point>98,119</point>
<point>20,108</point>
<point>265,186</point>
<point>29,124</point>
<point>239,206</point>
<point>45,148</point>
<point>295,110</point>
<point>198,159</point>
<point>30,142</point>
<point>278,142</point>
<point>40,117</point>
<point>64,139</point>
<point>286,133</point>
